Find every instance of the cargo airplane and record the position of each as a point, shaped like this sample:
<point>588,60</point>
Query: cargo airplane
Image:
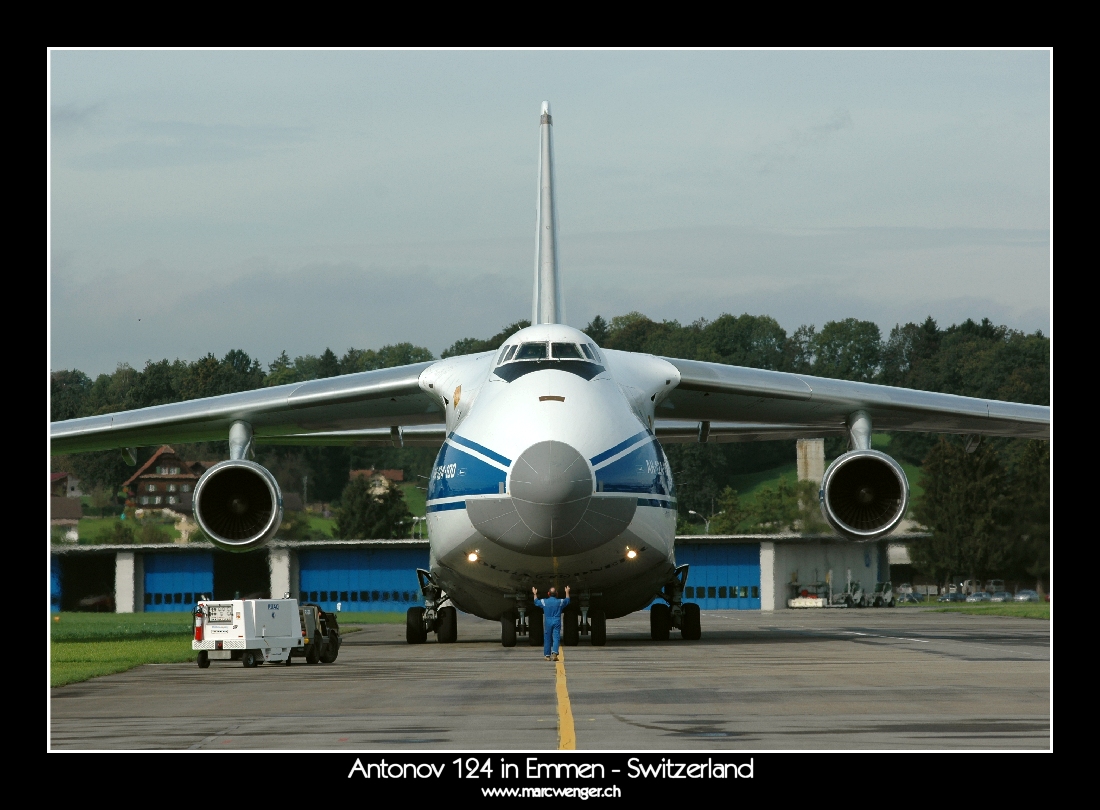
<point>550,467</point>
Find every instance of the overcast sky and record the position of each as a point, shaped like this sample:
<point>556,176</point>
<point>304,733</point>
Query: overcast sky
<point>205,201</point>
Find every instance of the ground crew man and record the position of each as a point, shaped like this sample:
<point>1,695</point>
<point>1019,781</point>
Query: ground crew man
<point>552,608</point>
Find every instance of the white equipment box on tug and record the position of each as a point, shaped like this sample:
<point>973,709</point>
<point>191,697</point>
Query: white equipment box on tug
<point>253,631</point>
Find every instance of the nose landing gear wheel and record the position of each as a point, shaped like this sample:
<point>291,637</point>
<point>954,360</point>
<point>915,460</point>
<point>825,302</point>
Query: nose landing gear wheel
<point>598,620</point>
<point>660,622</point>
<point>508,629</point>
<point>691,627</point>
<point>448,626</point>
<point>534,628</point>
<point>414,626</point>
<point>570,629</point>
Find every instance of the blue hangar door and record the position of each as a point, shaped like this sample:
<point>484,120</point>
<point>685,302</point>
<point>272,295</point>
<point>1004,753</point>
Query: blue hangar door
<point>173,582</point>
<point>381,579</point>
<point>722,576</point>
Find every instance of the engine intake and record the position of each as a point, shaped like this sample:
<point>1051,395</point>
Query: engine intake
<point>864,494</point>
<point>238,505</point>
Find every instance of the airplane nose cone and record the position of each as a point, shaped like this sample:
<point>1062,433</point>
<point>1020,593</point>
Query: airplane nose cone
<point>551,485</point>
<point>549,509</point>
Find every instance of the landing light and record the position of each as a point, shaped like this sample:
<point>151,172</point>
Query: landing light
<point>472,556</point>
<point>631,554</point>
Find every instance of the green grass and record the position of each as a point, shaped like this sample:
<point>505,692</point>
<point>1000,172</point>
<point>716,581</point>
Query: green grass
<point>1022,610</point>
<point>75,661</point>
<point>370,617</point>
<point>416,499</point>
<point>86,645</point>
<point>93,529</point>
<point>322,524</point>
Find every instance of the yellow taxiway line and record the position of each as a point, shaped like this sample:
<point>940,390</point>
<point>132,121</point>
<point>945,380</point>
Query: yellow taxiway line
<point>567,734</point>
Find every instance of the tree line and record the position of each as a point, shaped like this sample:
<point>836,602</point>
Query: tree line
<point>973,358</point>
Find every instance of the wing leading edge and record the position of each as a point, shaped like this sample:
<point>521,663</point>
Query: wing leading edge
<point>747,404</point>
<point>368,406</point>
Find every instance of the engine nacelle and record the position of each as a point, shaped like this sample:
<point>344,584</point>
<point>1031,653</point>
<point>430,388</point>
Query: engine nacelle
<point>238,505</point>
<point>864,494</point>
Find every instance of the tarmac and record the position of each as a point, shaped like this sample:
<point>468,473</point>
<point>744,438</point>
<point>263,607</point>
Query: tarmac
<point>903,678</point>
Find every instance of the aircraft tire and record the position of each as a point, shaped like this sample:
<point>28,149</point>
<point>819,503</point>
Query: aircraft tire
<point>414,626</point>
<point>203,659</point>
<point>448,626</point>
<point>508,629</point>
<point>570,629</point>
<point>660,622</point>
<point>691,628</point>
<point>598,620</point>
<point>535,627</point>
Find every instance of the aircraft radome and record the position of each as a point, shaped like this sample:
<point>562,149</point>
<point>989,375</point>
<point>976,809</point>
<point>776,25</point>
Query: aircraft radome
<point>550,468</point>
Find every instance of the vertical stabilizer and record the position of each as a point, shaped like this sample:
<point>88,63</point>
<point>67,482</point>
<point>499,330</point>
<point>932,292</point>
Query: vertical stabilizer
<point>548,305</point>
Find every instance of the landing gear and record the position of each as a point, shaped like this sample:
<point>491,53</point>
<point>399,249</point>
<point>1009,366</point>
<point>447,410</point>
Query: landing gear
<point>598,621</point>
<point>660,622</point>
<point>508,621</point>
<point>447,630</point>
<point>436,616</point>
<point>534,627</point>
<point>690,627</point>
<point>414,626</point>
<point>570,629</point>
<point>663,617</point>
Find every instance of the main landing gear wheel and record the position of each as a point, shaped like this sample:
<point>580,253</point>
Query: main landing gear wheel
<point>534,627</point>
<point>448,626</point>
<point>203,659</point>
<point>414,626</point>
<point>570,629</point>
<point>690,627</point>
<point>508,629</point>
<point>598,620</point>
<point>660,622</point>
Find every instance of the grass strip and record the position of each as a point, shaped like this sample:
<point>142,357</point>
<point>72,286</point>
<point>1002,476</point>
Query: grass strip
<point>1022,610</point>
<point>75,661</point>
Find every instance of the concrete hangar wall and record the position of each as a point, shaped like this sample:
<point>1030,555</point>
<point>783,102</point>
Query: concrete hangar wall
<point>740,572</point>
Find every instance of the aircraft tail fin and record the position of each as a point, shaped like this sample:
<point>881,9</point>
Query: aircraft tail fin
<point>549,306</point>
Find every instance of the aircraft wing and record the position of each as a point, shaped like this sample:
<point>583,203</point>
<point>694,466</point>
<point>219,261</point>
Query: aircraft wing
<point>747,404</point>
<point>371,407</point>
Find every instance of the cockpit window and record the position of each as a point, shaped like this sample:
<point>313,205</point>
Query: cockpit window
<point>503,352</point>
<point>595,354</point>
<point>511,351</point>
<point>587,351</point>
<point>566,351</point>
<point>531,351</point>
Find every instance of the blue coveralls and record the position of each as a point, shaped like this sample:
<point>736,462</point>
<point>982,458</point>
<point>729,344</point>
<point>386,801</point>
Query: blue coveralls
<point>552,608</point>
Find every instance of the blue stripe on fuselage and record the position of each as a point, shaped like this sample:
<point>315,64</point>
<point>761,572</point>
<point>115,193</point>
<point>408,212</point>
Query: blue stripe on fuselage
<point>485,451</point>
<point>606,454</point>
<point>457,473</point>
<point>446,507</point>
<point>644,471</point>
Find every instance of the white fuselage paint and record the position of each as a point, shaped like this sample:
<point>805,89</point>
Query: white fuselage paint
<point>492,422</point>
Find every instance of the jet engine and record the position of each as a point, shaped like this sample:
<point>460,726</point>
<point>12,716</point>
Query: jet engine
<point>238,505</point>
<point>864,494</point>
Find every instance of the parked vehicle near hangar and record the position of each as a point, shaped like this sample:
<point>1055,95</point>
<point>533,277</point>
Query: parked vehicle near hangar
<point>258,631</point>
<point>883,595</point>
<point>1026,595</point>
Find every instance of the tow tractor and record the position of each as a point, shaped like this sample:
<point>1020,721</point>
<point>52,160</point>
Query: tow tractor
<point>258,631</point>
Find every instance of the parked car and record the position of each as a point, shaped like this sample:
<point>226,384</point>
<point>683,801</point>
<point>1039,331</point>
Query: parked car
<point>952,597</point>
<point>980,596</point>
<point>1001,596</point>
<point>912,598</point>
<point>1026,595</point>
